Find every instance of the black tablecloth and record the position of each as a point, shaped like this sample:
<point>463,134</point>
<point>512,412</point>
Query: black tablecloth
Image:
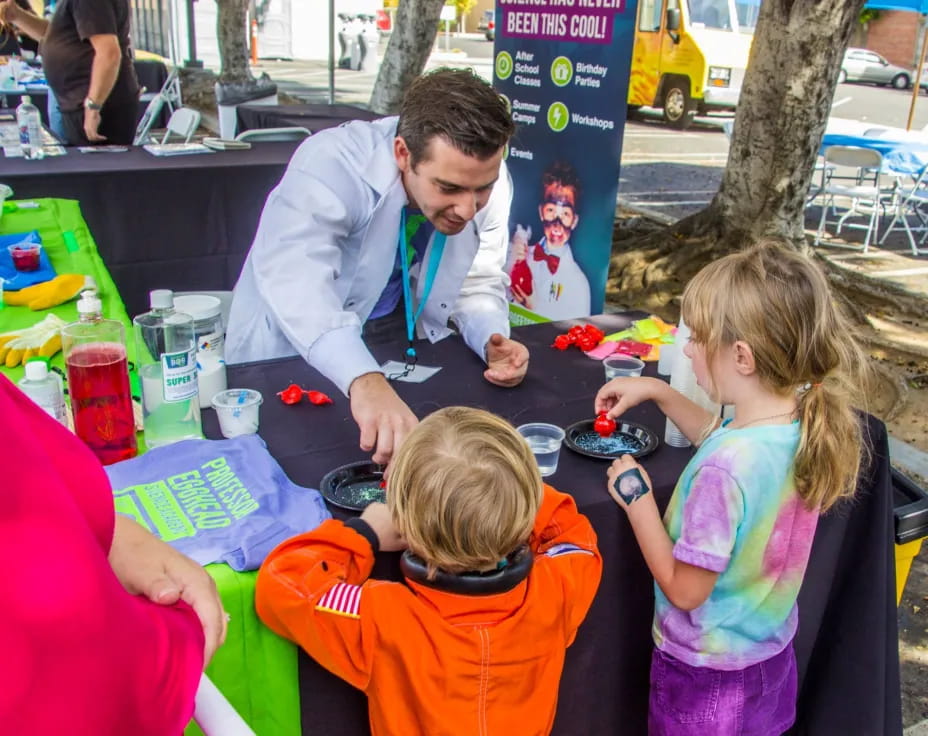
<point>846,647</point>
<point>312,117</point>
<point>178,222</point>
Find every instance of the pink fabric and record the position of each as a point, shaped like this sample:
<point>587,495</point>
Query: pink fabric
<point>80,655</point>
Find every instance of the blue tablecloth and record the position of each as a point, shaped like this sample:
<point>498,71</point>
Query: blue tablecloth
<point>900,157</point>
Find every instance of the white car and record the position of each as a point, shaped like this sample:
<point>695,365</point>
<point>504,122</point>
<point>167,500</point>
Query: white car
<point>863,65</point>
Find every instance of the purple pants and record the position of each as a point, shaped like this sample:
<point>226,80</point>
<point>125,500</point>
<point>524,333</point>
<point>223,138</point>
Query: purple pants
<point>759,700</point>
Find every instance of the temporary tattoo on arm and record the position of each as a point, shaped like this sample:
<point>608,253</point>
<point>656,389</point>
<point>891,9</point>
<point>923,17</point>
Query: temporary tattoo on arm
<point>630,485</point>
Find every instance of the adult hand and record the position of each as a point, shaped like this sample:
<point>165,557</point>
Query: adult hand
<point>621,394</point>
<point>379,518</point>
<point>382,416</point>
<point>92,125</point>
<point>631,486</point>
<point>147,566</point>
<point>507,361</point>
<point>9,12</point>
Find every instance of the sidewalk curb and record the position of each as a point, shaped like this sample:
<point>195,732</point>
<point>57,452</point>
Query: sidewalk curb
<point>644,212</point>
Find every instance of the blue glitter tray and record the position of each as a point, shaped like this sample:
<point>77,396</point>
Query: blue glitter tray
<point>628,439</point>
<point>353,486</point>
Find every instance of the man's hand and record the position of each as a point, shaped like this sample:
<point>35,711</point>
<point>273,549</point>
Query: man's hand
<point>382,416</point>
<point>11,13</point>
<point>507,361</point>
<point>92,125</point>
<point>8,12</point>
<point>378,517</point>
<point>147,566</point>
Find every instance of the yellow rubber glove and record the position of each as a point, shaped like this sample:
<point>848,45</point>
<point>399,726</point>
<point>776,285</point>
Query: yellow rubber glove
<point>42,339</point>
<point>59,290</point>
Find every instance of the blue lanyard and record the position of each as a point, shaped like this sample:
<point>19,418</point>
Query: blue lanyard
<point>438,247</point>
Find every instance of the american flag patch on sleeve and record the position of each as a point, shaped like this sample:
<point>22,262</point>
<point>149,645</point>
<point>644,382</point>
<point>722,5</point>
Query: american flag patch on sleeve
<point>565,548</point>
<point>343,599</point>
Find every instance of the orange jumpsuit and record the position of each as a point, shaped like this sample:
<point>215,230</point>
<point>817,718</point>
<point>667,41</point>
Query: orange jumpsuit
<point>433,662</point>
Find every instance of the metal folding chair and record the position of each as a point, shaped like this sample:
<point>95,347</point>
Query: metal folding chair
<point>168,95</point>
<point>273,134</point>
<point>862,189</point>
<point>183,122</point>
<point>907,202</point>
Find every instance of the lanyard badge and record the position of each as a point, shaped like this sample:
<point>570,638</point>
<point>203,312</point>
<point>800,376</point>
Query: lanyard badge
<point>438,247</point>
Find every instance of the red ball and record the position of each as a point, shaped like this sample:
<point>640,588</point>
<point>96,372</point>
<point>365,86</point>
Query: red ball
<point>604,426</point>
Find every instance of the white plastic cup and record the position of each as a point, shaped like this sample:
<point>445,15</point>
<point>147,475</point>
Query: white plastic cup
<point>674,437</point>
<point>237,410</point>
<point>622,365</point>
<point>666,358</point>
<point>545,442</point>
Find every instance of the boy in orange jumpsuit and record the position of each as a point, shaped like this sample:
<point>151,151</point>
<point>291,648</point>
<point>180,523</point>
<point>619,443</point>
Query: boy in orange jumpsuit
<point>500,571</point>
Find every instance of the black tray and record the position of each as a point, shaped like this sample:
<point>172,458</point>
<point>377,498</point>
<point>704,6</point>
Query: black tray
<point>641,434</point>
<point>353,486</point>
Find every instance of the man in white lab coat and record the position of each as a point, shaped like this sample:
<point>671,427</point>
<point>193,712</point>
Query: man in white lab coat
<point>326,257</point>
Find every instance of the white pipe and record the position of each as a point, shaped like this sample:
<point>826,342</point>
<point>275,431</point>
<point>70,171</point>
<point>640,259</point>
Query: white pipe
<point>215,715</point>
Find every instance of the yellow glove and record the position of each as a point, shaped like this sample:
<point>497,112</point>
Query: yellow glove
<point>59,290</point>
<point>42,339</point>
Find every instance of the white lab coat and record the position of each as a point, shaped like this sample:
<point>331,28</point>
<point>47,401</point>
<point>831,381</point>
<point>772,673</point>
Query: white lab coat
<point>325,248</point>
<point>564,294</point>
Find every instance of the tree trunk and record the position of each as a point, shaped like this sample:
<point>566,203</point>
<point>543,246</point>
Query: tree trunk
<point>781,117</point>
<point>407,51</point>
<point>782,113</point>
<point>231,21</point>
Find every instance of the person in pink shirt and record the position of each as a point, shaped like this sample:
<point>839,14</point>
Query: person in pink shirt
<point>106,628</point>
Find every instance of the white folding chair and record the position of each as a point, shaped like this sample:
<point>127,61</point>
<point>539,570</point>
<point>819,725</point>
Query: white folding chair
<point>168,96</point>
<point>861,188</point>
<point>273,134</point>
<point>183,122</point>
<point>907,202</point>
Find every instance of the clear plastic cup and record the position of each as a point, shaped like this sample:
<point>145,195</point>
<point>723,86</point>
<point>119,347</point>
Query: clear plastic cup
<point>622,365</point>
<point>26,256</point>
<point>237,409</point>
<point>545,442</point>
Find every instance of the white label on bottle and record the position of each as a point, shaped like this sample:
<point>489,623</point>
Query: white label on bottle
<point>179,375</point>
<point>210,347</point>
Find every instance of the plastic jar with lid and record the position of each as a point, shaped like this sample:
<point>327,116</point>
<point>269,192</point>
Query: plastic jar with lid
<point>206,311</point>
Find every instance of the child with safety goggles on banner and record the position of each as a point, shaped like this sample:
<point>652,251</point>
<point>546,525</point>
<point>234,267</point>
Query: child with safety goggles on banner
<point>545,277</point>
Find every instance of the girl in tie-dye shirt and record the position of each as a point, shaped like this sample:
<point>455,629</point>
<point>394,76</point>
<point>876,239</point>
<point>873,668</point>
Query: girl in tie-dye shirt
<point>729,556</point>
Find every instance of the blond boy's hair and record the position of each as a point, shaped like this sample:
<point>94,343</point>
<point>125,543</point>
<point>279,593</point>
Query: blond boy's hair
<point>464,490</point>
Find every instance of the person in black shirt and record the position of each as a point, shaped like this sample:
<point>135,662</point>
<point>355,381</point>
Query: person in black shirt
<point>88,64</point>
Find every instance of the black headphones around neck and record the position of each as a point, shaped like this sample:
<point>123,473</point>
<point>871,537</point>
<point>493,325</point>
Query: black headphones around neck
<point>471,583</point>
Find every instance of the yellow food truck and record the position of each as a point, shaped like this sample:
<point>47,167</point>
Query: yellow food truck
<point>690,56</point>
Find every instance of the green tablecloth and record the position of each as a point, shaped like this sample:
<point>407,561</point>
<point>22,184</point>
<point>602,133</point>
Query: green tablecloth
<point>52,220</point>
<point>256,670</point>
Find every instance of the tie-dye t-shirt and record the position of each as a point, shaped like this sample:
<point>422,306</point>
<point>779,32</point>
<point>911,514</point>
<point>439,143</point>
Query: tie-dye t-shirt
<point>735,511</point>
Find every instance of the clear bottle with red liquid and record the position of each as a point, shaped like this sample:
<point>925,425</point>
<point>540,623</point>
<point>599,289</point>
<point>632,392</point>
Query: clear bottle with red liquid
<point>98,382</point>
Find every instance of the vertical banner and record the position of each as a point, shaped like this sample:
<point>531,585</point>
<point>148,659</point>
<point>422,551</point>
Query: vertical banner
<point>563,66</point>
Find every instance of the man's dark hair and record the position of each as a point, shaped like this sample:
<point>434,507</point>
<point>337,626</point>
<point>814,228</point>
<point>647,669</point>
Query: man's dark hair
<point>562,173</point>
<point>460,107</point>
